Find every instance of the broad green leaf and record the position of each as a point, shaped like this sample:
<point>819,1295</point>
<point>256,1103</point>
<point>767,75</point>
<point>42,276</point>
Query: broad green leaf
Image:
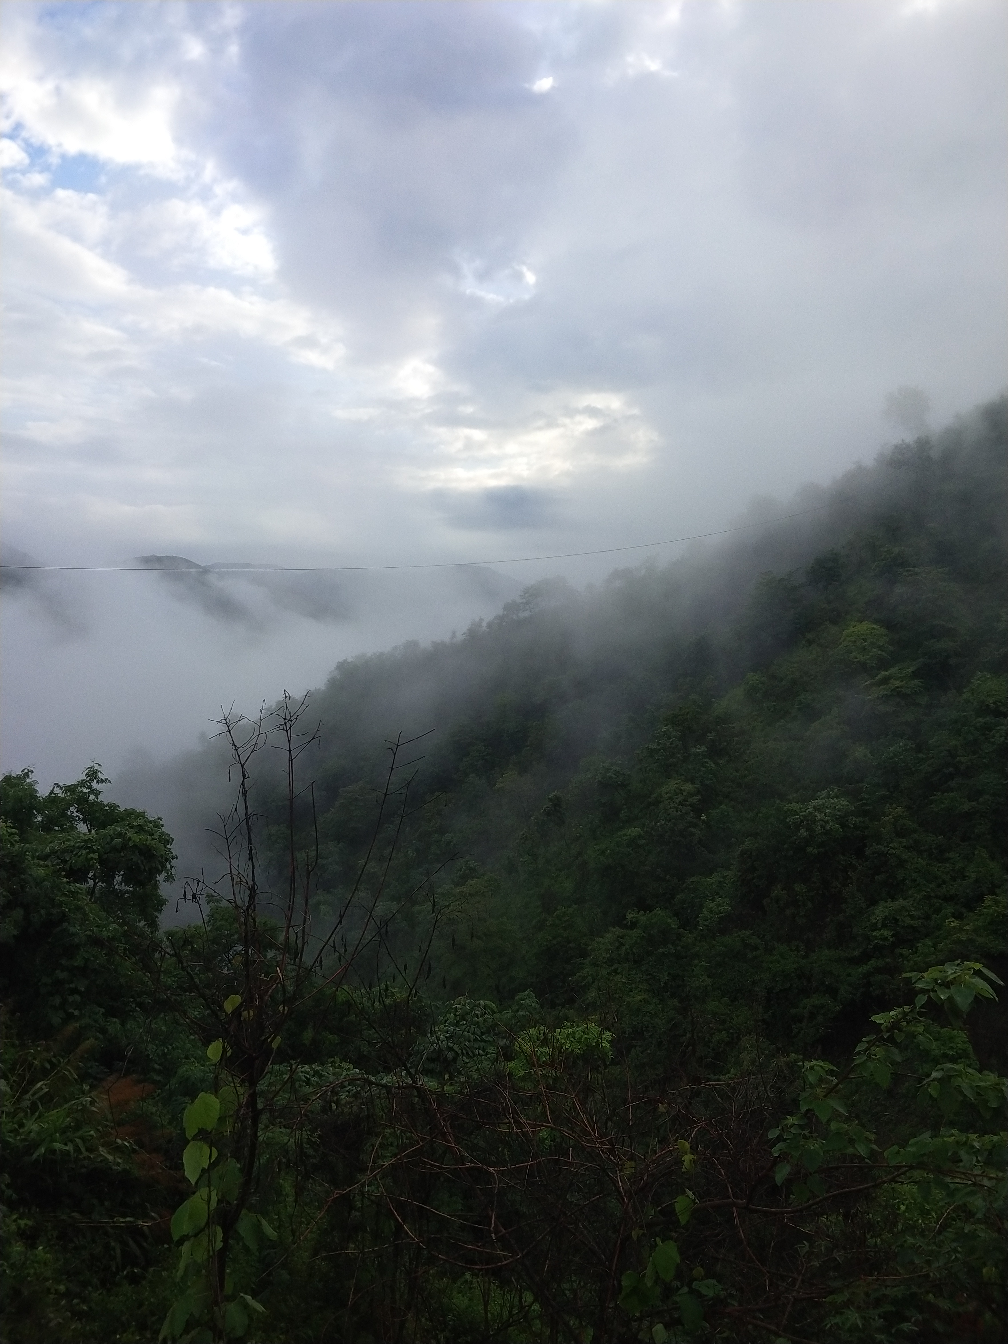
<point>267,1229</point>
<point>231,1002</point>
<point>963,996</point>
<point>659,1334</point>
<point>881,1072</point>
<point>190,1217</point>
<point>201,1114</point>
<point>690,1310</point>
<point>236,1319</point>
<point>781,1172</point>
<point>227,1180</point>
<point>228,1098</point>
<point>684,1207</point>
<point>665,1259</point>
<point>195,1160</point>
<point>179,1312</point>
<point>248,1229</point>
<point>197,1249</point>
<point>214,1051</point>
<point>636,1295</point>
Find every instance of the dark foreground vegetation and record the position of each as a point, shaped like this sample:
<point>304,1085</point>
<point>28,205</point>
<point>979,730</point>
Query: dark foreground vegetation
<point>653,996</point>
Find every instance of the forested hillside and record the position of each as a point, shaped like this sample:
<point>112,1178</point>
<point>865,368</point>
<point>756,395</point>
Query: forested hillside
<point>647,989</point>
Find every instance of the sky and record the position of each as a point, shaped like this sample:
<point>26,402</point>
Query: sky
<point>384,284</point>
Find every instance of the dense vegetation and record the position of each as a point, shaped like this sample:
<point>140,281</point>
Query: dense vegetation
<point>653,995</point>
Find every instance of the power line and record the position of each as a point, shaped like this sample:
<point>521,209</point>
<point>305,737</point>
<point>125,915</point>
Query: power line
<point>359,569</point>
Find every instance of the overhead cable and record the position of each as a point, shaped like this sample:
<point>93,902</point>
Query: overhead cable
<point>194,568</point>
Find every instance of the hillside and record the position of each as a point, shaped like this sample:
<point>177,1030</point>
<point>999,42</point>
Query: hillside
<point>653,994</point>
<point>781,765</point>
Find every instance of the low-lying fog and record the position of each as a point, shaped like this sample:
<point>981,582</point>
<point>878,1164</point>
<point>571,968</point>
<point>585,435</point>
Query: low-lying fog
<point>123,667</point>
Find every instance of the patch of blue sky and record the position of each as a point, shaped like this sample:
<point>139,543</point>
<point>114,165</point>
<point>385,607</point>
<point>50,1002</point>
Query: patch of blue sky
<point>72,172</point>
<point>63,17</point>
<point>78,172</point>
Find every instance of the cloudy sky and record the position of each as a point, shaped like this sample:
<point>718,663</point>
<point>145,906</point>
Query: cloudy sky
<point>372,283</point>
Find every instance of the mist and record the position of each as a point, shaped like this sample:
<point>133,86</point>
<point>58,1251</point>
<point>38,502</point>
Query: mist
<point>596,654</point>
<point>137,666</point>
<point>342,288</point>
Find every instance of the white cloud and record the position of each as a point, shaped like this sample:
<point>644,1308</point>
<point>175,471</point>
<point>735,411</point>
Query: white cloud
<point>107,334</point>
<point>497,286</point>
<point>12,155</point>
<point>637,63</point>
<point>416,379</point>
<point>220,235</point>
<point>577,433</point>
<point>89,115</point>
<point>432,270</point>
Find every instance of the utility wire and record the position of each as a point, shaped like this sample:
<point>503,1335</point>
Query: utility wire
<point>358,569</point>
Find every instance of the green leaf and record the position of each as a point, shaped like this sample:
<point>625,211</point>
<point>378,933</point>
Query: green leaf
<point>228,1098</point>
<point>636,1295</point>
<point>881,1072</point>
<point>659,1334</point>
<point>248,1229</point>
<point>201,1114</point>
<point>665,1259</point>
<point>268,1230</point>
<point>781,1172</point>
<point>226,1180</point>
<point>690,1310</point>
<point>191,1217</point>
<point>235,1319</point>
<point>195,1160</point>
<point>684,1207</point>
<point>231,1002</point>
<point>198,1249</point>
<point>175,1322</point>
<point>214,1051</point>
<point>963,996</point>
<point>629,1284</point>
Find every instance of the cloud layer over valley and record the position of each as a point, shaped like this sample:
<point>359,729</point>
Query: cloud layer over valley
<point>374,284</point>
